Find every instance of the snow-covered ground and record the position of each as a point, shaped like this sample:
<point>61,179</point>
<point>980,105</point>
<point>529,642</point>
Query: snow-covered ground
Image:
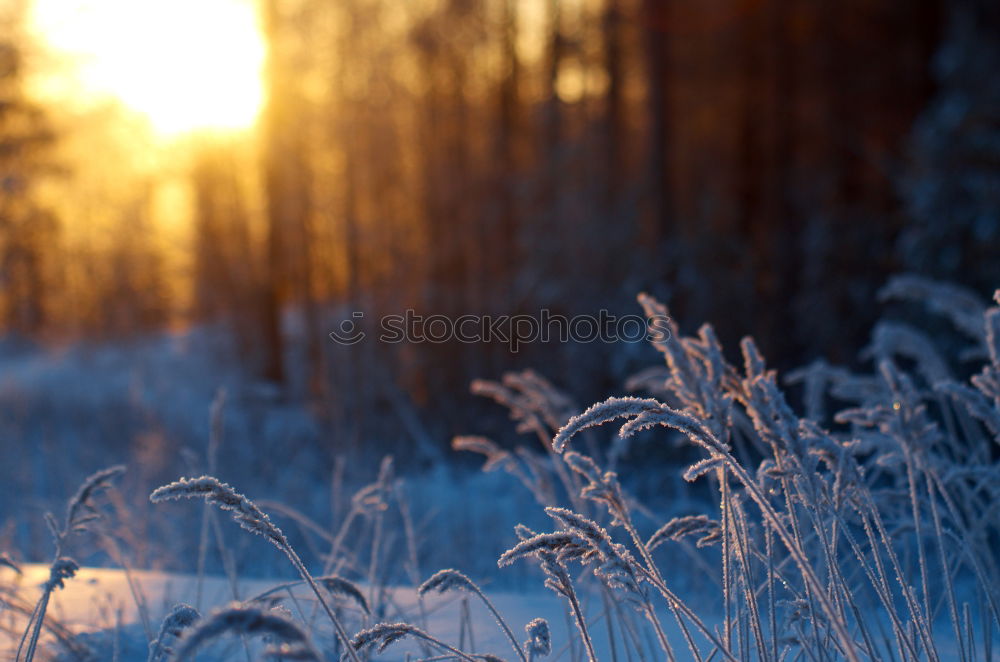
<point>102,602</point>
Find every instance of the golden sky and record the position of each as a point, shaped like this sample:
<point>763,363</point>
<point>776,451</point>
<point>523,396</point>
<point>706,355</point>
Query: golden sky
<point>184,64</point>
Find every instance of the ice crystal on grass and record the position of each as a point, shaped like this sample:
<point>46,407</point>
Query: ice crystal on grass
<point>832,520</point>
<point>964,309</point>
<point>80,510</point>
<point>603,412</point>
<point>180,617</point>
<point>61,569</point>
<point>253,519</point>
<point>449,579</point>
<point>379,637</point>
<point>348,589</point>
<point>539,638</point>
<point>446,580</point>
<point>81,513</point>
<point>495,456</point>
<point>681,527</point>
<point>7,562</point>
<point>240,620</point>
<point>243,511</point>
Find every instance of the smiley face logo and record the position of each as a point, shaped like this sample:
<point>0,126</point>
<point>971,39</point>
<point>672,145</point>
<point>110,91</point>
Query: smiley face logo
<point>349,333</point>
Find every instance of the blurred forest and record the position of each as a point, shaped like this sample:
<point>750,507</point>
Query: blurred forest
<point>761,164</point>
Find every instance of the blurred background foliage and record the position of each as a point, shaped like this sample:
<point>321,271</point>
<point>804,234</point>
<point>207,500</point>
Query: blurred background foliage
<point>761,164</point>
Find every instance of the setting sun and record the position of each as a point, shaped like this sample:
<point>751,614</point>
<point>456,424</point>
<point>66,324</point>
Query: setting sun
<point>185,64</point>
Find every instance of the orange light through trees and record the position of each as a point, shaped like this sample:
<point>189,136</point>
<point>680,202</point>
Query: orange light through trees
<point>185,64</point>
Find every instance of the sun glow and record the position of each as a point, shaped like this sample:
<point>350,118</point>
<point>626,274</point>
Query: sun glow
<point>185,64</point>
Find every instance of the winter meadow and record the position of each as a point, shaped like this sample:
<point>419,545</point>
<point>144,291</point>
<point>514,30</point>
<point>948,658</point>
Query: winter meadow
<point>499,330</point>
